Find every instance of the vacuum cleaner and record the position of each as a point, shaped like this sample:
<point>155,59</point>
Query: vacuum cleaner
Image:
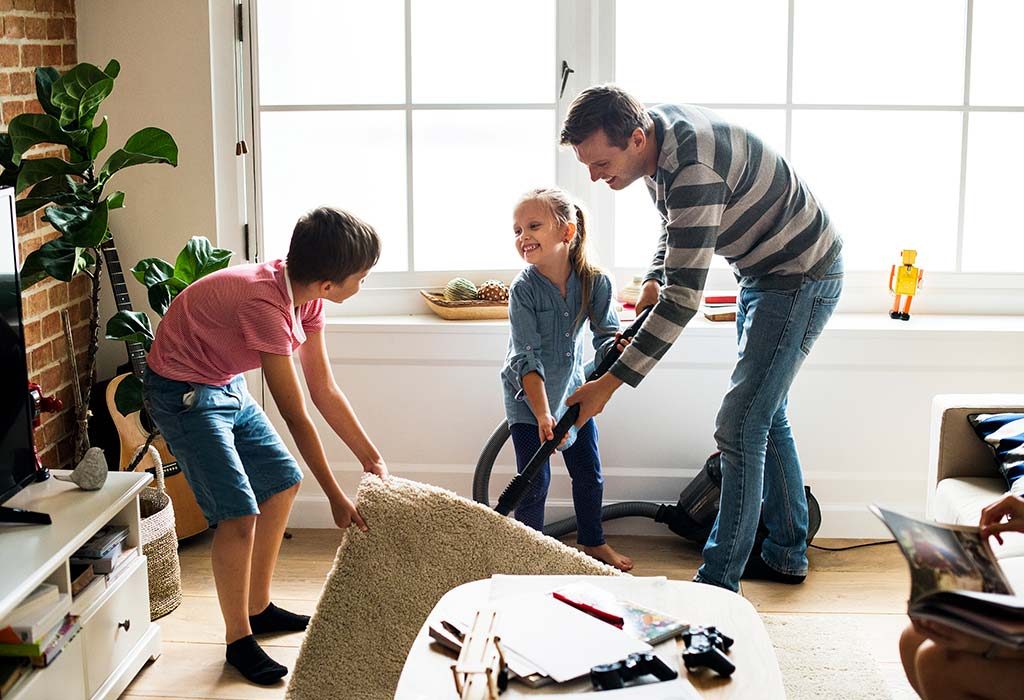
<point>692,517</point>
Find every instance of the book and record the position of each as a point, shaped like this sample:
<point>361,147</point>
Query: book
<point>719,307</point>
<point>639,621</point>
<point>81,575</point>
<point>11,671</point>
<point>102,542</point>
<point>956,580</point>
<point>121,564</point>
<point>89,595</point>
<point>66,633</point>
<point>33,648</point>
<point>32,628</point>
<point>44,596</point>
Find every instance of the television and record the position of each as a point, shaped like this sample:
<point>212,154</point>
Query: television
<point>17,451</point>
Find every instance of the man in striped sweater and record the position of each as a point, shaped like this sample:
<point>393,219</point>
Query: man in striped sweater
<point>719,189</point>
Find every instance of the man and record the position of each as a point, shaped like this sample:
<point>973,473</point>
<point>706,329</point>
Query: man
<point>719,189</point>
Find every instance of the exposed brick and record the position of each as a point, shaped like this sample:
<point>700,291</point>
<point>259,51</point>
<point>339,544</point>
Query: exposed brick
<point>8,55</point>
<point>69,53</point>
<point>26,225</point>
<point>5,83</point>
<point>29,5</point>
<point>14,27</point>
<point>80,287</point>
<point>63,6</point>
<point>59,296</point>
<point>31,55</point>
<point>33,333</point>
<point>35,27</point>
<point>54,28</point>
<point>51,378</point>
<point>44,6</point>
<point>51,325</point>
<point>35,302</point>
<point>80,336</point>
<point>52,54</point>
<point>22,83</point>
<point>70,28</point>
<point>6,5</point>
<point>40,357</point>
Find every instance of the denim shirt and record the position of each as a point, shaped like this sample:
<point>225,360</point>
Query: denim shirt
<point>545,339</point>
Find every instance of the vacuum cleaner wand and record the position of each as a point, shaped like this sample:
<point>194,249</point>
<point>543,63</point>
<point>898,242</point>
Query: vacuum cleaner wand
<point>518,487</point>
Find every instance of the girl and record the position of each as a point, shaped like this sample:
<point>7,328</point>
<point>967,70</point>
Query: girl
<point>549,302</point>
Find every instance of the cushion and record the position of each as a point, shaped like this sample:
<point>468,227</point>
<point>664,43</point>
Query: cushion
<point>1004,433</point>
<point>423,541</point>
<point>959,502</point>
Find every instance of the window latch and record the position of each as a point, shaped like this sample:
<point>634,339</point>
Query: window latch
<point>566,70</point>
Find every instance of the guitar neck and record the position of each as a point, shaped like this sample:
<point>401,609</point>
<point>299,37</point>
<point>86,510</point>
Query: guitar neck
<point>123,302</point>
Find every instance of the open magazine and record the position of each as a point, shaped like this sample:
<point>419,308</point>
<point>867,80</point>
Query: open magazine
<point>955,579</point>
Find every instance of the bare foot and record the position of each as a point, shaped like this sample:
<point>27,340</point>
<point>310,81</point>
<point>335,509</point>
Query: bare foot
<point>609,556</point>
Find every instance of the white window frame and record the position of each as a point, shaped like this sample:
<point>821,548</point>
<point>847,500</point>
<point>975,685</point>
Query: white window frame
<point>585,39</point>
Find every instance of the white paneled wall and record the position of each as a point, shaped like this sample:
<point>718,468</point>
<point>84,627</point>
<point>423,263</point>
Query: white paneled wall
<point>428,394</point>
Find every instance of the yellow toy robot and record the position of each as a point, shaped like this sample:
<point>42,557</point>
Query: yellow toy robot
<point>904,280</point>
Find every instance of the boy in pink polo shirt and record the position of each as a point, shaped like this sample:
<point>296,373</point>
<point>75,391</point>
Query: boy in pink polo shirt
<point>234,320</point>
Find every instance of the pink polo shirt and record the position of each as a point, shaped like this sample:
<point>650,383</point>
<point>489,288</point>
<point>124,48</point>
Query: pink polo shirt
<point>218,326</point>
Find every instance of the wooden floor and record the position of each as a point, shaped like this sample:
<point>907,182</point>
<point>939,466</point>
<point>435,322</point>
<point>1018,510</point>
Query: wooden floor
<point>869,584</point>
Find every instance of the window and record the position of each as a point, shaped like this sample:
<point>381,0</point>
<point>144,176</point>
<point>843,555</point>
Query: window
<point>429,117</point>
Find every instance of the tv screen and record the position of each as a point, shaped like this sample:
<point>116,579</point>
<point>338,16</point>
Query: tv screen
<point>17,456</point>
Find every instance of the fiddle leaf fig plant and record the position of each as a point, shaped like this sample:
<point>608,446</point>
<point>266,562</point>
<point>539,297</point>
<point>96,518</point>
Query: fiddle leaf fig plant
<point>163,282</point>
<point>72,186</point>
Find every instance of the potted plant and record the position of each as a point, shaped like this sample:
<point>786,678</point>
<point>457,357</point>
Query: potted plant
<point>74,187</point>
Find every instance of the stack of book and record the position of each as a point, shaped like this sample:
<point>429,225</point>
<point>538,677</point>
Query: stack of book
<point>102,550</point>
<point>97,564</point>
<point>38,628</point>
<point>719,307</point>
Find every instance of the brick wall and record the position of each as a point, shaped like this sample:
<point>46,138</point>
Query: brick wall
<point>37,33</point>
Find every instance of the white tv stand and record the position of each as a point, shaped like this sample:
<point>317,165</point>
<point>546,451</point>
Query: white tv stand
<point>117,637</point>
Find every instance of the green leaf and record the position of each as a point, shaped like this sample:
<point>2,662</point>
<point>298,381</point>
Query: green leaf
<point>150,145</point>
<point>198,258</point>
<point>27,130</point>
<point>115,200</point>
<point>56,258</point>
<point>162,294</point>
<point>45,78</point>
<point>112,68</point>
<point>131,327</point>
<point>9,176</point>
<point>58,189</point>
<point>82,226</point>
<point>149,271</point>
<point>38,169</point>
<point>98,139</point>
<point>128,396</point>
<point>79,92</point>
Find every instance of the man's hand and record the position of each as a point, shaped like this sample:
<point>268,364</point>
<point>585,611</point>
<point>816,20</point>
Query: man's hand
<point>621,343</point>
<point>1010,507</point>
<point>648,295</point>
<point>592,397</point>
<point>377,466</point>
<point>345,513</point>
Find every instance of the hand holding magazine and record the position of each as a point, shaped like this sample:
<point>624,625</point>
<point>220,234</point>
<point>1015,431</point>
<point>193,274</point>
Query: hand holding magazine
<point>956,579</point>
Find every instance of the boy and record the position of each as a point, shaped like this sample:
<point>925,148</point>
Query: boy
<point>232,321</point>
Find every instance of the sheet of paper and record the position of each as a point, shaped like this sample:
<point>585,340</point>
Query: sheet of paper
<point>669,690</point>
<point>561,641</point>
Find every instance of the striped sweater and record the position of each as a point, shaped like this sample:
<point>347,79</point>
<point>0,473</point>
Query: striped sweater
<point>719,189</point>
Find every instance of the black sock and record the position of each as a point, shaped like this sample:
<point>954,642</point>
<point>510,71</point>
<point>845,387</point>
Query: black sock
<point>757,569</point>
<point>248,657</point>
<point>274,619</point>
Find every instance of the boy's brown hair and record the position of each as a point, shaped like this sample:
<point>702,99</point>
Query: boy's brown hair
<point>329,245</point>
<point>605,107</point>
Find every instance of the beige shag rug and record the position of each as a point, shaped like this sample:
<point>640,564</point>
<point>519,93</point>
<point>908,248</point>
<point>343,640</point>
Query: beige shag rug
<point>825,656</point>
<point>370,612</point>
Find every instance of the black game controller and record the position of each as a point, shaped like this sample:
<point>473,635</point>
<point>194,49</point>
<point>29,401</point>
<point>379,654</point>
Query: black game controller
<point>616,675</point>
<point>705,648</point>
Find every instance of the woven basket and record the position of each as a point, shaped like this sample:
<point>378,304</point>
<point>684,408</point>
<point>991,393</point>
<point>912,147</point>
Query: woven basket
<point>473,310</point>
<point>160,544</point>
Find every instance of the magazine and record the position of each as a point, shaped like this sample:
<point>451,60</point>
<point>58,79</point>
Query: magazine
<point>956,580</point>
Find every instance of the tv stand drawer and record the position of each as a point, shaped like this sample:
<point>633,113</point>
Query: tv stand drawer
<point>117,626</point>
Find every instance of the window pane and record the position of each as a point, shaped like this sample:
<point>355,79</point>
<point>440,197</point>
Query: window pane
<point>331,51</point>
<point>997,53</point>
<point>469,169</point>
<point>878,52</point>
<point>483,52</point>
<point>889,180</point>
<point>637,223</point>
<point>699,51</point>
<point>993,229</point>
<point>351,160</point>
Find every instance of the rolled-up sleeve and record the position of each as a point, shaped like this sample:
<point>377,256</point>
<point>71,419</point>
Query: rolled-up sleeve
<point>525,354</point>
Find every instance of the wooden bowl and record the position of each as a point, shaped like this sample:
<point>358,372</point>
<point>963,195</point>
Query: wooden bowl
<point>473,310</point>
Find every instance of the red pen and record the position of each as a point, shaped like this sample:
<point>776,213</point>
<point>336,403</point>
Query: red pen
<point>601,615</point>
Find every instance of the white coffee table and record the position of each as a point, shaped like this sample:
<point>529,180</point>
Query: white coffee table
<point>427,671</point>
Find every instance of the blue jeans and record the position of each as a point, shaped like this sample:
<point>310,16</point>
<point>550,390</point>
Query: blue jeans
<point>229,452</point>
<point>760,467</point>
<point>584,465</point>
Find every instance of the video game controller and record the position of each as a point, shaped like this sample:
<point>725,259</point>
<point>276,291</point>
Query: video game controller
<point>705,648</point>
<point>616,675</point>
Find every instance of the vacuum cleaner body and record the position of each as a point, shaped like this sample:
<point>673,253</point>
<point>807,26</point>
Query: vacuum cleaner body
<point>694,515</point>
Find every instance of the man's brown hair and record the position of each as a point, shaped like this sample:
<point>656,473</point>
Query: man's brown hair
<point>329,245</point>
<point>605,107</point>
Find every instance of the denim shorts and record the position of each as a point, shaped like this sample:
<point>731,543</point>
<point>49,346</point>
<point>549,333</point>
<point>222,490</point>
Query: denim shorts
<point>229,452</point>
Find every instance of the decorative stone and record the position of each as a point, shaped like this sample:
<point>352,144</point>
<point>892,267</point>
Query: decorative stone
<point>492,290</point>
<point>460,289</point>
<point>91,472</point>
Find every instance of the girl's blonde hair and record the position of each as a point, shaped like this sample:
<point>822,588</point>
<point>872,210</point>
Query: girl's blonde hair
<point>565,212</point>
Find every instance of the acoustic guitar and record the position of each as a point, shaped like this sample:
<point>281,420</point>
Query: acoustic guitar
<point>133,430</point>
